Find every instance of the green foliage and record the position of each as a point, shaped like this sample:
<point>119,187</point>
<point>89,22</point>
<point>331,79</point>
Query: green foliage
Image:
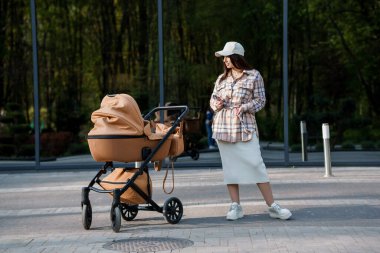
<point>88,49</point>
<point>319,147</point>
<point>26,150</point>
<point>7,150</point>
<point>296,148</point>
<point>55,143</point>
<point>348,145</point>
<point>368,145</point>
<point>202,143</point>
<point>355,135</point>
<point>269,128</point>
<point>78,149</point>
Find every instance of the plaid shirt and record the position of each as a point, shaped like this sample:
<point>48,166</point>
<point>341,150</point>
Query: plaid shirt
<point>248,93</point>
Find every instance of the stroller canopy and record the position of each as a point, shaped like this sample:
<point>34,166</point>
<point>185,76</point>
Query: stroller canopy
<point>118,115</point>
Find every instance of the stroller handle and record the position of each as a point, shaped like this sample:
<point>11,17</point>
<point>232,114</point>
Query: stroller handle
<point>183,108</point>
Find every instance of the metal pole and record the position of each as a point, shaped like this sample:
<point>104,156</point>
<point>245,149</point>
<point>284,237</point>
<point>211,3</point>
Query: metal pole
<point>35,82</point>
<point>303,140</point>
<point>160,57</point>
<point>285,80</point>
<point>326,148</point>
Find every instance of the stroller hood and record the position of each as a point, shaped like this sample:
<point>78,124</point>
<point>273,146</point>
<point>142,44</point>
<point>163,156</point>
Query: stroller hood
<point>118,115</point>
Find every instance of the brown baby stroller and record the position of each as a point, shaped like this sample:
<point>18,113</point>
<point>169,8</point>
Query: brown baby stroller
<point>121,134</point>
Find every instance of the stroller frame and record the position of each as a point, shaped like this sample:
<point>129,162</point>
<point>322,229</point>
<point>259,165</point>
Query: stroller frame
<point>172,208</point>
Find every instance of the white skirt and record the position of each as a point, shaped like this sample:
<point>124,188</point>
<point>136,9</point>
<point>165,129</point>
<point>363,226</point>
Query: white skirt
<point>242,162</point>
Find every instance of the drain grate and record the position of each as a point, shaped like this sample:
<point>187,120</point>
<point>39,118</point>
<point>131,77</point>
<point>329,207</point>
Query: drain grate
<point>151,244</point>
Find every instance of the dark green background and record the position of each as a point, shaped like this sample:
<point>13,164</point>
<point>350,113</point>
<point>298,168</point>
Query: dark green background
<point>88,49</point>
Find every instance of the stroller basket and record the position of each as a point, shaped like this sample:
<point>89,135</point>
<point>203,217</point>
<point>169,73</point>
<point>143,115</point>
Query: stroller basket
<point>121,134</point>
<point>117,179</point>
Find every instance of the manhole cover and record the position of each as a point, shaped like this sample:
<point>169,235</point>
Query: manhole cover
<point>151,244</point>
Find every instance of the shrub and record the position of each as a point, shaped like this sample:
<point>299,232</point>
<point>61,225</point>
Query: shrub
<point>353,135</point>
<point>7,150</point>
<point>6,140</point>
<point>375,133</point>
<point>78,149</point>
<point>55,144</point>
<point>348,145</point>
<point>203,143</point>
<point>296,148</point>
<point>368,145</point>
<point>26,150</point>
<point>319,147</point>
<point>21,129</point>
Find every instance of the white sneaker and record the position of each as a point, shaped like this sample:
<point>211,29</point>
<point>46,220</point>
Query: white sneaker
<point>275,211</point>
<point>235,212</point>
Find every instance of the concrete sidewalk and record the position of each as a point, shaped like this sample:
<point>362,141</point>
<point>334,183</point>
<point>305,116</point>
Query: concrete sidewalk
<point>336,214</point>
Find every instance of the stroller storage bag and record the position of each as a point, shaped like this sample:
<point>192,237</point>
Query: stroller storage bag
<point>120,176</point>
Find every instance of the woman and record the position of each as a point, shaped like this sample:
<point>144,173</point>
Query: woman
<point>238,94</point>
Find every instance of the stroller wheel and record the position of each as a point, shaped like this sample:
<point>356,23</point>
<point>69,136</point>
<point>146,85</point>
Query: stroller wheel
<point>129,212</point>
<point>115,216</point>
<point>173,210</point>
<point>86,216</point>
<point>194,154</point>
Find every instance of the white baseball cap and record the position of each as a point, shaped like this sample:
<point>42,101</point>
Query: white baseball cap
<point>231,47</point>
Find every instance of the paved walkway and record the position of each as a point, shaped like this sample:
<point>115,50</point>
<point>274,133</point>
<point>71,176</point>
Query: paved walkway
<point>336,214</point>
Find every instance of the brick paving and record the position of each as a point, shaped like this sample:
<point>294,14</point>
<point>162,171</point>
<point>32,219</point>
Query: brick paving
<point>337,214</point>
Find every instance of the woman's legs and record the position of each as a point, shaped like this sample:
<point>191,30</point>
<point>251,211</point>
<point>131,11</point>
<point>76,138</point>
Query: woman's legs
<point>235,212</point>
<point>275,211</point>
<point>266,191</point>
<point>233,189</point>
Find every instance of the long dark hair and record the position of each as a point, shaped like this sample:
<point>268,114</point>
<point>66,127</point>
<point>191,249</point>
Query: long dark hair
<point>238,61</point>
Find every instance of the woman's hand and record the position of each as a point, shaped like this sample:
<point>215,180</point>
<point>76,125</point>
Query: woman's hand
<point>219,104</point>
<point>237,110</point>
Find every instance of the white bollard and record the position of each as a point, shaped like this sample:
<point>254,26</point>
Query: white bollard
<point>303,140</point>
<point>326,149</point>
